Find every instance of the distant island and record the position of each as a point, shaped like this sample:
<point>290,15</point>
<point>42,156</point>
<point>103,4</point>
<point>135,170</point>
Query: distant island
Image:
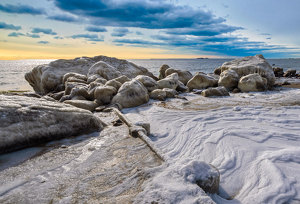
<point>202,58</point>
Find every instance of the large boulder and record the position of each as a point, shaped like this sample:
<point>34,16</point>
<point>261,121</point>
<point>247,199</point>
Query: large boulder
<point>170,82</point>
<point>250,65</point>
<point>201,81</point>
<point>132,93</point>
<point>216,91</point>
<point>27,121</point>
<point>148,82</point>
<point>162,71</point>
<point>104,94</point>
<point>252,82</point>
<point>47,78</point>
<point>229,79</point>
<point>290,73</point>
<point>183,76</point>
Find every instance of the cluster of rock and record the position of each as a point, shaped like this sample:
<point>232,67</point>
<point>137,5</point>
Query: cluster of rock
<point>99,81</point>
<point>246,74</point>
<point>278,71</point>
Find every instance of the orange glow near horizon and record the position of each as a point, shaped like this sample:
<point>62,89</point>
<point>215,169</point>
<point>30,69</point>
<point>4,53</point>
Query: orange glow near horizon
<point>19,51</point>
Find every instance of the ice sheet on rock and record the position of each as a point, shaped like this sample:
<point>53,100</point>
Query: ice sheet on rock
<point>255,148</point>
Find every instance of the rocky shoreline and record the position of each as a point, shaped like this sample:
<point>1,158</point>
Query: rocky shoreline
<point>73,97</point>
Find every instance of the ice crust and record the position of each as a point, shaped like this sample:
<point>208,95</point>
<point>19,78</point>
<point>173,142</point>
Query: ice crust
<point>255,148</point>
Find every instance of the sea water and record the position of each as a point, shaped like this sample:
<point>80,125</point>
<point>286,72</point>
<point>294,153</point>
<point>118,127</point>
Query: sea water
<point>12,71</point>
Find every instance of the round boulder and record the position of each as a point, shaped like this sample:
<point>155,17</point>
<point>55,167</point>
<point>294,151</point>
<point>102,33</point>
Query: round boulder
<point>253,82</point>
<point>104,94</point>
<point>131,94</point>
<point>105,70</point>
<point>217,91</point>
<point>148,82</point>
<point>229,79</point>
<point>183,76</point>
<point>170,82</point>
<point>201,81</point>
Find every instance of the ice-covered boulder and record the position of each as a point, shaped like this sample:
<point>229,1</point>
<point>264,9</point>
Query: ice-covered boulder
<point>74,77</point>
<point>216,91</point>
<point>170,93</point>
<point>47,78</point>
<point>170,82</point>
<point>162,71</point>
<point>290,73</point>
<point>148,82</point>
<point>201,81</point>
<point>229,79</point>
<point>250,65</point>
<point>104,70</point>
<point>132,93</point>
<point>183,76</point>
<point>104,94</point>
<point>122,79</point>
<point>278,71</point>
<point>113,83</point>
<point>26,121</point>
<point>158,94</point>
<point>204,175</point>
<point>252,82</point>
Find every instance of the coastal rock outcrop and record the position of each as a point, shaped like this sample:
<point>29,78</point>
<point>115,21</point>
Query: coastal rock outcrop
<point>183,76</point>
<point>47,78</point>
<point>250,65</point>
<point>217,91</point>
<point>170,82</point>
<point>26,121</point>
<point>148,82</point>
<point>278,71</point>
<point>132,93</point>
<point>252,82</point>
<point>229,79</point>
<point>201,81</point>
<point>290,73</point>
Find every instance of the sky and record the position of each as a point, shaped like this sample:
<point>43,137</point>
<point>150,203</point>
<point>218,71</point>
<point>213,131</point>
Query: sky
<point>142,29</point>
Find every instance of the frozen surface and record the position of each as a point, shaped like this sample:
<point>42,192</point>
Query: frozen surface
<point>253,139</point>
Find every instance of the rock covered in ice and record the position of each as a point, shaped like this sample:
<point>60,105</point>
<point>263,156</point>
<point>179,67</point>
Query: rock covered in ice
<point>25,121</point>
<point>104,94</point>
<point>290,73</point>
<point>74,77</point>
<point>183,76</point>
<point>158,94</point>
<point>205,175</point>
<point>104,70</point>
<point>252,82</point>
<point>122,79</point>
<point>47,78</point>
<point>162,71</point>
<point>132,93</point>
<point>148,82</point>
<point>229,79</point>
<point>201,81</point>
<point>217,91</point>
<point>170,82</point>
<point>170,93</point>
<point>114,83</point>
<point>250,65</point>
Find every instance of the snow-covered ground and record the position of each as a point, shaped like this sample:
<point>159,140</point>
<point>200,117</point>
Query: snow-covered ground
<point>252,138</point>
